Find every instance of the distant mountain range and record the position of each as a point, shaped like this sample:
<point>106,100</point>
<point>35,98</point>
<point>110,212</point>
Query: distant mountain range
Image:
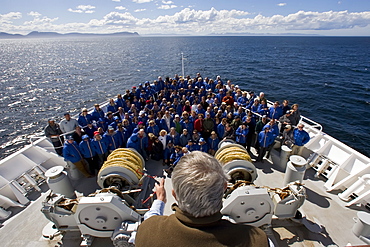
<point>36,34</point>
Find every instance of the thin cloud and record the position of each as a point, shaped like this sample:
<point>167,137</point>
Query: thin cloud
<point>142,1</point>
<point>167,7</point>
<point>87,9</point>
<point>139,10</point>
<point>121,8</point>
<point>116,1</point>
<point>34,14</point>
<point>167,2</point>
<point>281,4</point>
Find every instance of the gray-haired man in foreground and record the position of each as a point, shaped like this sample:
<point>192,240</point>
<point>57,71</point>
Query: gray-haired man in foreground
<point>198,186</point>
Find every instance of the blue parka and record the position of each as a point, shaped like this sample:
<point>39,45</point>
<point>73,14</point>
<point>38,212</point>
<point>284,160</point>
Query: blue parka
<point>213,143</point>
<point>265,139</point>
<point>84,120</point>
<point>86,149</point>
<point>72,152</point>
<point>301,137</point>
<point>99,147</point>
<point>114,141</point>
<point>239,135</point>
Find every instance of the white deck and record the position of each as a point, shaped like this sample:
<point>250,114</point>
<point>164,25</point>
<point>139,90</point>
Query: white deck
<point>321,209</point>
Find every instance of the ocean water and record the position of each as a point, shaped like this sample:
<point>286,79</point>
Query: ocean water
<point>329,77</point>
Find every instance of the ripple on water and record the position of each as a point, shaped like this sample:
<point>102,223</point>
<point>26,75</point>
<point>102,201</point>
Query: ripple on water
<point>328,77</point>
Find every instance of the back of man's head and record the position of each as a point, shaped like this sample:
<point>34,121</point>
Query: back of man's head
<point>199,183</point>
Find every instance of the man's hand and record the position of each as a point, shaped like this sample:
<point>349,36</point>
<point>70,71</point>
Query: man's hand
<point>161,191</point>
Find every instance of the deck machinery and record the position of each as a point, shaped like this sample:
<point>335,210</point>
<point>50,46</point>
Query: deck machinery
<point>117,209</point>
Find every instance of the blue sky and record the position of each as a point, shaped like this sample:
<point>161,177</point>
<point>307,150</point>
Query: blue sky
<point>180,17</point>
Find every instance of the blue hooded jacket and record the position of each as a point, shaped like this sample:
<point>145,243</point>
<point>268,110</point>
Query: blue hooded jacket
<point>84,120</point>
<point>265,139</point>
<point>99,147</point>
<point>86,149</point>
<point>213,143</point>
<point>239,135</point>
<point>72,152</point>
<point>97,114</point>
<point>114,141</point>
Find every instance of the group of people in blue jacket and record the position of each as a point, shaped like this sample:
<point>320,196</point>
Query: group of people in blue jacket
<point>171,117</point>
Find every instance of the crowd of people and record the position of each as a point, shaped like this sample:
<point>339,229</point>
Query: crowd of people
<point>170,118</point>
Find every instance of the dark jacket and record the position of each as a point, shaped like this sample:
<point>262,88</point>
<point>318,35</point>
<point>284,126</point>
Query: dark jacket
<point>52,130</point>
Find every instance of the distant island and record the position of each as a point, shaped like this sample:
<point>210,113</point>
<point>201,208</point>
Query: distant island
<point>36,34</point>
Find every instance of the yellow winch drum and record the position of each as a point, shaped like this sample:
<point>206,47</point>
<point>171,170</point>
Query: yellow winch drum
<point>236,161</point>
<point>124,167</point>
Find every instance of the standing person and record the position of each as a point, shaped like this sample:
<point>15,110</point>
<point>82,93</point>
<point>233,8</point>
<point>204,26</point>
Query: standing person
<point>174,136</point>
<point>221,128</point>
<point>275,111</point>
<point>157,149</point>
<point>77,135</point>
<point>241,134</point>
<point>259,126</point>
<point>88,153</point>
<point>184,137</point>
<point>68,124</point>
<point>84,118</point>
<point>213,142</point>
<point>72,153</point>
<point>203,146</point>
<point>301,137</point>
<point>251,137</point>
<point>97,113</point>
<point>113,139</point>
<point>285,106</point>
<point>100,149</point>
<point>168,151</point>
<point>195,222</point>
<point>177,124</point>
<point>288,136</point>
<point>208,126</point>
<point>53,132</point>
<point>296,115</point>
<point>139,142</point>
<point>198,123</point>
<point>229,133</point>
<point>265,139</point>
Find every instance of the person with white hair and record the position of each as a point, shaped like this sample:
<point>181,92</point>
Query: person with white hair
<point>198,187</point>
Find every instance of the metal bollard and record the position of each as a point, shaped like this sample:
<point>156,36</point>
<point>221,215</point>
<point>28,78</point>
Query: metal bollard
<point>59,182</point>
<point>295,169</point>
<point>284,156</point>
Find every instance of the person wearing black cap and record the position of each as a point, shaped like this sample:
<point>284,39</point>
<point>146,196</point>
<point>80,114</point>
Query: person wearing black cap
<point>53,131</point>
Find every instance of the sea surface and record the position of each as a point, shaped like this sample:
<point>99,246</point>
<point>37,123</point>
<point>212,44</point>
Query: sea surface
<point>329,77</point>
